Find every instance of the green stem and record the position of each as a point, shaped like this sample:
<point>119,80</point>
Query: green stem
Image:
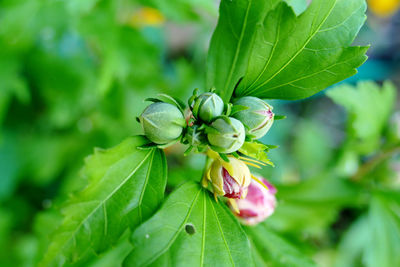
<point>371,164</point>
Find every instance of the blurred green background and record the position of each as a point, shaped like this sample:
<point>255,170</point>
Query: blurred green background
<point>73,76</point>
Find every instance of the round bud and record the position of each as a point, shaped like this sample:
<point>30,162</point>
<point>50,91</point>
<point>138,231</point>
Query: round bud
<point>228,135</point>
<point>162,122</point>
<point>208,106</point>
<point>258,118</point>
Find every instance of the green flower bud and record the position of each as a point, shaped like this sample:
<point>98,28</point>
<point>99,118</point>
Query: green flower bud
<point>208,106</point>
<point>258,118</point>
<point>227,135</point>
<point>162,122</point>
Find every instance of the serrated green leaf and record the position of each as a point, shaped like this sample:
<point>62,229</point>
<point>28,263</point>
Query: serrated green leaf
<point>197,231</point>
<point>231,43</point>
<point>369,108</point>
<point>274,250</point>
<point>119,195</point>
<point>296,57</point>
<point>256,150</point>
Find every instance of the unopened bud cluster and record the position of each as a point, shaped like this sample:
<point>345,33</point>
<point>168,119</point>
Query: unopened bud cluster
<point>207,122</point>
<point>209,125</point>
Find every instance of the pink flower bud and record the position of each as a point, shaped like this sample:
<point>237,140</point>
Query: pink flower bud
<point>258,205</point>
<point>228,179</point>
<point>231,187</point>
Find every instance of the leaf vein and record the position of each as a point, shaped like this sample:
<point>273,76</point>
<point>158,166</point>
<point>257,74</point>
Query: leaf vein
<point>203,241</point>
<point>222,234</point>
<point>177,232</point>
<point>312,74</point>
<point>238,46</point>
<point>272,52</point>
<point>103,201</point>
<point>343,22</point>
<point>105,219</point>
<point>298,52</point>
<point>145,186</point>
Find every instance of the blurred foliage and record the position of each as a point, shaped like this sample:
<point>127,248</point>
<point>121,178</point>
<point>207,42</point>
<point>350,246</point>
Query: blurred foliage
<point>73,75</point>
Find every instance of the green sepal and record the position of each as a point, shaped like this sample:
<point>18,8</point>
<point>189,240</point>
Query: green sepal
<point>147,146</point>
<point>237,108</point>
<point>173,100</point>
<point>180,122</point>
<point>228,109</point>
<point>196,107</point>
<point>209,129</point>
<point>184,141</point>
<point>225,118</point>
<point>152,145</point>
<point>279,117</point>
<point>250,137</point>
<point>193,97</point>
<point>188,150</point>
<point>224,157</point>
<point>236,155</point>
<point>269,147</point>
<point>153,99</point>
<point>272,146</point>
<point>202,148</point>
<point>163,146</point>
<point>256,150</point>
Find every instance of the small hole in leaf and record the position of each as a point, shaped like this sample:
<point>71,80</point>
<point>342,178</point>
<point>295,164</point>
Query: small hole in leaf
<point>189,228</point>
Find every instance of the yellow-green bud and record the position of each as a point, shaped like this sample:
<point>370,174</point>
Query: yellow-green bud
<point>227,135</point>
<point>258,118</point>
<point>207,107</point>
<point>230,179</point>
<point>162,122</point>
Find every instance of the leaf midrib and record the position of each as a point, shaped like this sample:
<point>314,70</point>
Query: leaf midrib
<point>311,74</point>
<point>176,233</point>
<point>297,53</point>
<point>222,235</point>
<point>145,186</point>
<point>272,52</point>
<point>203,241</point>
<point>106,199</point>
<point>228,81</point>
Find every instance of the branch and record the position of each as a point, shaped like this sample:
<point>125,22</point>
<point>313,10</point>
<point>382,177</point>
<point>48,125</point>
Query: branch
<point>370,165</point>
